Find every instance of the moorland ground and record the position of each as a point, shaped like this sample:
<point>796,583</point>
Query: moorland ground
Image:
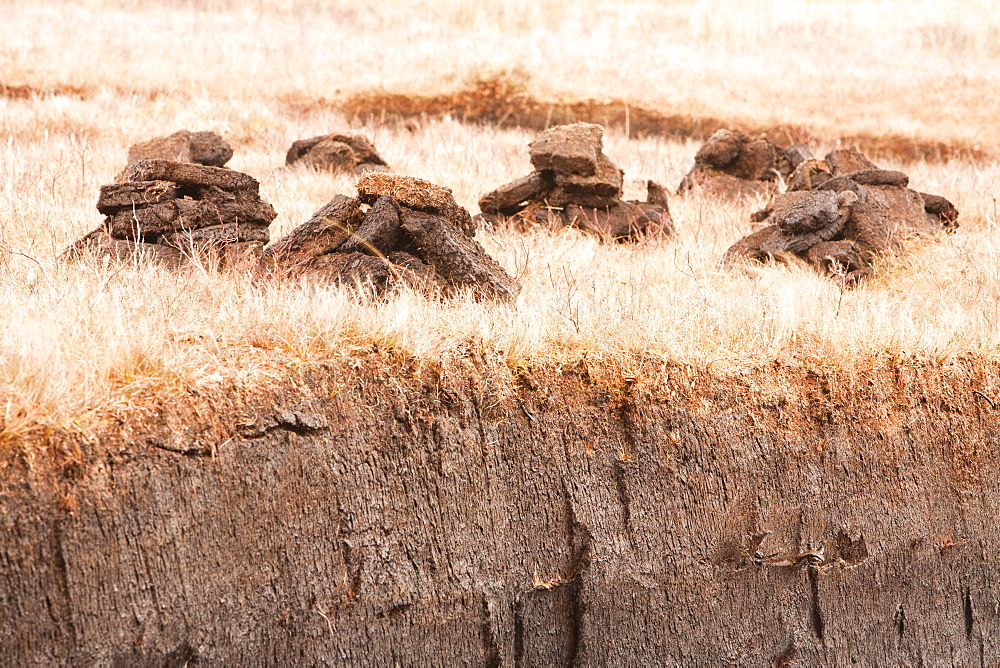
<point>80,82</point>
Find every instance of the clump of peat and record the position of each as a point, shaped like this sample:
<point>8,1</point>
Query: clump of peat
<point>398,230</point>
<point>733,164</point>
<point>337,153</point>
<point>575,184</point>
<point>840,214</point>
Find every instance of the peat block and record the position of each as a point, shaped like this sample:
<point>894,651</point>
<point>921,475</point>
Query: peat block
<point>192,175</point>
<point>569,149</point>
<point>731,164</point>
<point>205,148</point>
<point>509,199</point>
<point>336,153</point>
<point>847,160</point>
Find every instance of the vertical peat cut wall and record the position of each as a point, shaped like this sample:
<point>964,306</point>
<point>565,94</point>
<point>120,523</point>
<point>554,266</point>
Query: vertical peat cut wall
<point>373,514</point>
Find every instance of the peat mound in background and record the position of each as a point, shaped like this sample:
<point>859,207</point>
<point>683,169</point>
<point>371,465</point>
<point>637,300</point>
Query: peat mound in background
<point>336,153</point>
<point>732,164</point>
<point>575,184</point>
<point>503,102</point>
<point>376,511</point>
<point>841,214</point>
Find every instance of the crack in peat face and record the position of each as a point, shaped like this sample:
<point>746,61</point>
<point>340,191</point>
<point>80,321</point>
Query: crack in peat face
<point>518,632</point>
<point>62,573</point>
<point>623,497</point>
<point>581,561</point>
<point>492,656</point>
<point>817,613</point>
<point>899,620</point>
<point>967,612</point>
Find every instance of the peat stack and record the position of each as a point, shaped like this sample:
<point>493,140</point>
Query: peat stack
<point>203,148</point>
<point>174,211</point>
<point>398,230</point>
<point>841,214</point>
<point>337,153</point>
<point>733,164</point>
<point>575,184</point>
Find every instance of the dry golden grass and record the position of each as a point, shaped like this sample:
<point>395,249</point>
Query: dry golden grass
<point>924,68</point>
<point>84,339</point>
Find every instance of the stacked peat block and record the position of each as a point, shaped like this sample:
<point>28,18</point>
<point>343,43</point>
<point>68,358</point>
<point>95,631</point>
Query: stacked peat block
<point>203,148</point>
<point>732,164</point>
<point>337,153</point>
<point>398,230</point>
<point>575,184</point>
<point>172,212</point>
<point>840,214</point>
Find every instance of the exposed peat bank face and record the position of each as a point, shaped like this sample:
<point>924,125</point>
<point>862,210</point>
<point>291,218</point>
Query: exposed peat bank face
<point>376,512</point>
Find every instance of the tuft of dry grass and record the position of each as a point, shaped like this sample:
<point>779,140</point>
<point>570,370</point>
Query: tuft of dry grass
<point>95,338</point>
